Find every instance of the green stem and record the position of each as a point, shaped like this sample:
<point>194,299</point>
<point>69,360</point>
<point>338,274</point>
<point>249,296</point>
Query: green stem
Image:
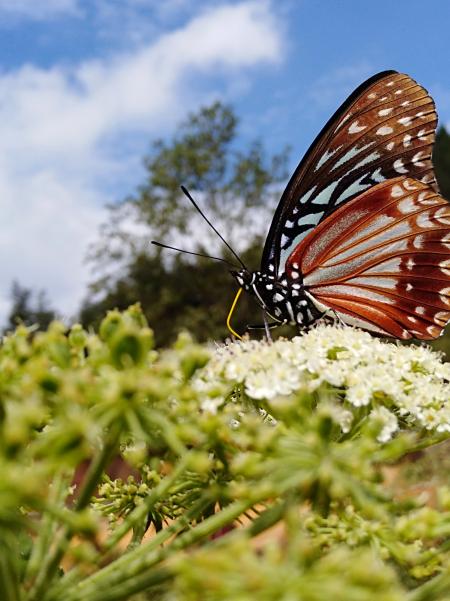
<point>436,588</point>
<point>144,579</point>
<point>132,570</point>
<point>9,579</point>
<point>140,583</point>
<point>53,560</point>
<point>66,584</point>
<point>47,528</point>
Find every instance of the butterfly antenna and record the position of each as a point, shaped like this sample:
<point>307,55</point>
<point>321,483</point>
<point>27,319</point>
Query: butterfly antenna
<point>189,252</point>
<point>186,192</point>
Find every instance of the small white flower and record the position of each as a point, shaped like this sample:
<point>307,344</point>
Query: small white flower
<point>359,395</point>
<point>388,420</point>
<point>412,380</point>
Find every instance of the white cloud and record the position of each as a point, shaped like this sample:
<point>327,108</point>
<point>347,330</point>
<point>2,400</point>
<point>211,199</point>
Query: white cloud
<point>38,9</point>
<point>61,128</point>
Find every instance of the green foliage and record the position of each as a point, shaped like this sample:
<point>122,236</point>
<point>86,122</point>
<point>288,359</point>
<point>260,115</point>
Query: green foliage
<point>220,449</point>
<point>441,161</point>
<point>174,291</point>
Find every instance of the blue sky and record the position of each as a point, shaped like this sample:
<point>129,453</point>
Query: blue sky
<point>85,85</point>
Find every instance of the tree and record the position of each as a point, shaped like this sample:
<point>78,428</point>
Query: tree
<point>236,187</point>
<point>441,160</point>
<point>30,308</point>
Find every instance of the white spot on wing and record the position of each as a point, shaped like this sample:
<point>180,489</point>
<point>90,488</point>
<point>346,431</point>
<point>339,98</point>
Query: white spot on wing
<point>417,159</point>
<point>433,331</point>
<point>409,185</point>
<point>355,128</point>
<point>326,155</point>
<point>445,266</point>
<point>423,220</point>
<point>396,191</point>
<point>407,205</point>
<point>407,140</point>
<point>350,154</point>
<point>443,215</point>
<point>442,317</point>
<point>284,240</point>
<point>422,135</point>
<point>377,177</point>
<point>418,241</point>
<point>405,121</point>
<point>384,130</point>
<point>385,112</point>
<point>399,167</point>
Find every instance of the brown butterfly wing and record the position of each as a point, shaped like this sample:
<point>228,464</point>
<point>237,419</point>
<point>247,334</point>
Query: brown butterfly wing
<point>382,261</point>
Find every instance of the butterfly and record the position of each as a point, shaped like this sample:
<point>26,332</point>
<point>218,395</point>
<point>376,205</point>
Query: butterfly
<point>361,233</point>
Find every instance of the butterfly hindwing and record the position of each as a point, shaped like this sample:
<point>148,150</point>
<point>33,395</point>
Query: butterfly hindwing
<point>381,261</point>
<point>386,128</point>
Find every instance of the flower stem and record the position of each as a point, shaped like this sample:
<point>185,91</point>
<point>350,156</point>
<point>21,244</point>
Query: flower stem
<point>52,562</point>
<point>133,570</point>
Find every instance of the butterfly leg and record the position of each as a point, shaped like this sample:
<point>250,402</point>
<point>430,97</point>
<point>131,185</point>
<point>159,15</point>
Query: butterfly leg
<point>331,314</point>
<point>266,327</point>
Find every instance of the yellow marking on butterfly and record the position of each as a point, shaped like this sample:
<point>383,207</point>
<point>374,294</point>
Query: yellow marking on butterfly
<point>236,298</point>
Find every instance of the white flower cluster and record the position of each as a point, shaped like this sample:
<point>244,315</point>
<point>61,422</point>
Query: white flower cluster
<point>393,382</point>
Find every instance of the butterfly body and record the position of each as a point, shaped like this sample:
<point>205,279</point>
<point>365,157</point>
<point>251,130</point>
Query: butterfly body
<point>361,232</point>
<point>286,302</point>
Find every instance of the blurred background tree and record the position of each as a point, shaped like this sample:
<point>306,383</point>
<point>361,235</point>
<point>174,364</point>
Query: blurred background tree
<point>441,161</point>
<point>29,307</point>
<point>237,188</point>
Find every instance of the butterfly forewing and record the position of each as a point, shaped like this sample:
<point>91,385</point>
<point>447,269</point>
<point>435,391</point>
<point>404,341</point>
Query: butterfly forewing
<point>382,260</point>
<point>385,129</point>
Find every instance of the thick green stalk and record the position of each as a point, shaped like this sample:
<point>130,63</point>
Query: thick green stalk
<point>67,582</point>
<point>134,567</point>
<point>52,562</point>
<point>47,529</point>
<point>147,578</point>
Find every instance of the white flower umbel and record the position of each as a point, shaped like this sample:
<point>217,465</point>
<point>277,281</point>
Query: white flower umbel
<point>401,386</point>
